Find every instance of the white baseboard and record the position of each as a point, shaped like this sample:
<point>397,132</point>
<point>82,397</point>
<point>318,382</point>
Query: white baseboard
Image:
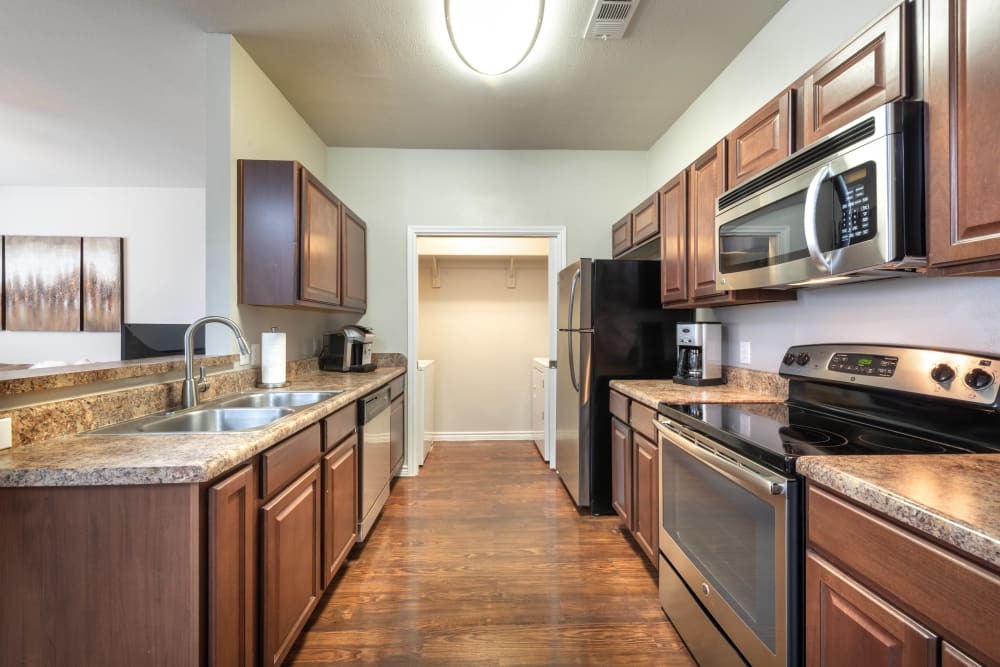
<point>469,436</point>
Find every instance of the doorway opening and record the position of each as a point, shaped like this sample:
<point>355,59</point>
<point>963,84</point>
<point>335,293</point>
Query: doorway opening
<point>483,301</point>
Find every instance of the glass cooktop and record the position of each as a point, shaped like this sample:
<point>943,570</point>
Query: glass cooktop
<point>775,434</point>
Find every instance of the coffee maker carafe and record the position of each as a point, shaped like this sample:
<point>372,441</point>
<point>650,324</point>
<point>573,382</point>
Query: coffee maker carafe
<point>699,354</point>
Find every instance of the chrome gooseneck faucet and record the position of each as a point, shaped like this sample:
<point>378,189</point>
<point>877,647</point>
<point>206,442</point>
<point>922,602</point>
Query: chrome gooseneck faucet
<point>191,388</point>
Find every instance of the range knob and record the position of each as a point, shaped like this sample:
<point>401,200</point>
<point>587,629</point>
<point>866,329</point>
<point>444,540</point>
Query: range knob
<point>789,359</point>
<point>943,373</point>
<point>978,379</point>
<point>802,359</point>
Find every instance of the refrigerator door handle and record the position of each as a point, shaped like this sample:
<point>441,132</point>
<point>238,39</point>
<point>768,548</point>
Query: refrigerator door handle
<point>569,324</point>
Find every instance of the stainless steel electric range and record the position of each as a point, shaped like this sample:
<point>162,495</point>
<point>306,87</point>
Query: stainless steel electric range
<point>731,531</point>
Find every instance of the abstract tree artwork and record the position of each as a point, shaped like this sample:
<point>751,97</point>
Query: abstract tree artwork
<point>62,283</point>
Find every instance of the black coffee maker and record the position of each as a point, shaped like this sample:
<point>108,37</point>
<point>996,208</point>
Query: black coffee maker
<point>699,354</point>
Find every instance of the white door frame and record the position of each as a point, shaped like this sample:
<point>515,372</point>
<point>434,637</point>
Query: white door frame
<point>556,261</point>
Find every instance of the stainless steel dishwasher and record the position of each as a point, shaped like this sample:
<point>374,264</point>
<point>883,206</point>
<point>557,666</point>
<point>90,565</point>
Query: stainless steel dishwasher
<point>374,417</point>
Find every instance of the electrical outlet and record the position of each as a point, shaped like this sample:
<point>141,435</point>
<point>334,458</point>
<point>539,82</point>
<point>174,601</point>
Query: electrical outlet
<point>744,352</point>
<point>5,434</point>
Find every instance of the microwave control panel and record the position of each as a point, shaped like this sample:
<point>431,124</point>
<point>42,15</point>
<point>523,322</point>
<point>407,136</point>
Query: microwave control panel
<point>855,190</point>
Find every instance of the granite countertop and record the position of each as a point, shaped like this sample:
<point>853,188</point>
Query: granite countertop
<point>652,392</point>
<point>954,498</point>
<point>109,460</point>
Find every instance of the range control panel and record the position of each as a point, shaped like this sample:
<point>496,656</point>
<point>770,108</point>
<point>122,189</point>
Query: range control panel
<point>946,374</point>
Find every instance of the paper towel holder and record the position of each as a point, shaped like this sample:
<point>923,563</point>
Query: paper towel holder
<point>270,385</point>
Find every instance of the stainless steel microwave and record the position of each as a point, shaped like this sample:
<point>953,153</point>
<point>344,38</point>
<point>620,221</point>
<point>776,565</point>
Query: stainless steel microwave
<point>848,207</point>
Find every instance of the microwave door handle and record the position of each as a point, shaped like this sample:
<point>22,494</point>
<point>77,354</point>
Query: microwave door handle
<point>812,237</point>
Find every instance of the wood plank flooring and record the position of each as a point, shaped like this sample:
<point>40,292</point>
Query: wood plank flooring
<point>483,560</point>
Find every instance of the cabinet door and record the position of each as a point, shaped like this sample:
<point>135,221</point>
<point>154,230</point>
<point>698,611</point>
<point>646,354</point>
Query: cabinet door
<point>846,624</point>
<point>964,130</point>
<point>868,72</point>
<point>706,181</point>
<point>645,220</point>
<point>231,612</point>
<point>645,511</point>
<point>355,257</point>
<point>621,235</point>
<point>952,657</point>
<point>340,505</point>
<point>319,274</point>
<point>673,240</point>
<point>290,564</point>
<point>761,140</point>
<point>397,435</point>
<point>621,471</point>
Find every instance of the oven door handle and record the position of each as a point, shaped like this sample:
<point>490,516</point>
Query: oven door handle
<point>755,481</point>
<point>809,223</point>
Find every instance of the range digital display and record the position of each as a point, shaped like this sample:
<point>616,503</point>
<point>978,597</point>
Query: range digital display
<point>863,364</point>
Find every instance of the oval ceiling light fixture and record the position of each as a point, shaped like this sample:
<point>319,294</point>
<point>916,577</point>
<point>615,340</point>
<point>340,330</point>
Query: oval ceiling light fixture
<point>493,36</point>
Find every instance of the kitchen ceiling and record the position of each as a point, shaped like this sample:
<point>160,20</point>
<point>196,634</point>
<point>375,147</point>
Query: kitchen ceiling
<point>382,73</point>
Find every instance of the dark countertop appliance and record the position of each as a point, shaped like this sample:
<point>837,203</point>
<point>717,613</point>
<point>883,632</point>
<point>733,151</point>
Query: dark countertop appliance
<point>349,349</point>
<point>732,525</point>
<point>611,325</point>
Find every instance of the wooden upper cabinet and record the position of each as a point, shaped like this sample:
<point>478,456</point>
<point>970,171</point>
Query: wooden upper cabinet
<point>355,261</point>
<point>761,140</point>
<point>963,223</point>
<point>846,624</point>
<point>673,240</point>
<point>298,245</point>
<point>320,273</point>
<point>868,72</point>
<point>645,220</point>
<point>621,236</point>
<point>706,181</point>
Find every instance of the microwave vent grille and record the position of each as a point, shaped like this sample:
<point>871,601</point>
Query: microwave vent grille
<point>813,154</point>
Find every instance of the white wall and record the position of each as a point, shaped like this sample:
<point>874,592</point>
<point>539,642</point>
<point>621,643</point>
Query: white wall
<point>934,312</point>
<point>252,121</point>
<point>395,188</point>
<point>102,135</point>
<point>482,336</point>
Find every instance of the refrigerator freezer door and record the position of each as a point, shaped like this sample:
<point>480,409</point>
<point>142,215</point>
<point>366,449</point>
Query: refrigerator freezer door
<point>574,295</point>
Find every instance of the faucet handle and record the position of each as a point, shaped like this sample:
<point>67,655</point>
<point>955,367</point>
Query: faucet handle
<point>203,384</point>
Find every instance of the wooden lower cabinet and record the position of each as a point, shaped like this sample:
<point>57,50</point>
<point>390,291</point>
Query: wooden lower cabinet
<point>645,510</point>
<point>847,624</point>
<point>340,505</point>
<point>290,564</point>
<point>878,593</point>
<point>621,471</point>
<point>232,513</point>
<point>397,435</point>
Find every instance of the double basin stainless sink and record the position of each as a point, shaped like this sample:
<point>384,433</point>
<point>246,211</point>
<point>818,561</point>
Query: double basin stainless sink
<point>238,412</point>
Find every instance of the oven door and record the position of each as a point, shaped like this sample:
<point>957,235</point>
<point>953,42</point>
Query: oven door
<point>725,530</point>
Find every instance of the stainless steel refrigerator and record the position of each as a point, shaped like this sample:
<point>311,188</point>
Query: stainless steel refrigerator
<point>611,326</point>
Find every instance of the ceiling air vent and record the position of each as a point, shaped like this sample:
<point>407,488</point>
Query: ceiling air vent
<point>610,19</point>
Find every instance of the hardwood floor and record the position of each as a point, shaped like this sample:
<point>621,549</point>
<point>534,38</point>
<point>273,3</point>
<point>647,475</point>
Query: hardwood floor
<point>483,560</point>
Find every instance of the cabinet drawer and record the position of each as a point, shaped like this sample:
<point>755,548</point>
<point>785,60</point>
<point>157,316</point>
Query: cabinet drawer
<point>953,595</point>
<point>282,463</point>
<point>397,387</point>
<point>339,425</point>
<point>619,406</point>
<point>642,420</point>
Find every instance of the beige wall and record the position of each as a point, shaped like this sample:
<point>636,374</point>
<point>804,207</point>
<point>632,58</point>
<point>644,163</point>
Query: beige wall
<point>259,124</point>
<point>395,188</point>
<point>482,336</point>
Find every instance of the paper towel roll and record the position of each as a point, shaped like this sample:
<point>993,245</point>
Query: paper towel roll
<point>272,357</point>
